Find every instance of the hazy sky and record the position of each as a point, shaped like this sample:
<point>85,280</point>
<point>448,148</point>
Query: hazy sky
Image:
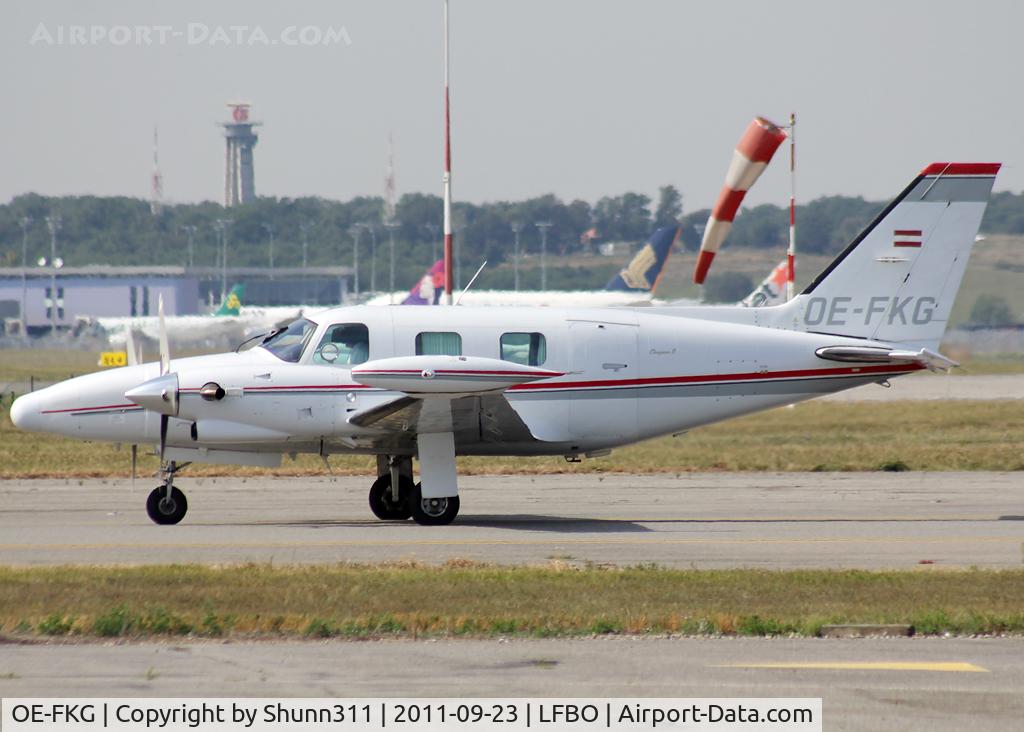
<point>576,97</point>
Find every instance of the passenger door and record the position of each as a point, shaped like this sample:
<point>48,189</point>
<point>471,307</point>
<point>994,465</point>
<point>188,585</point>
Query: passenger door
<point>603,356</point>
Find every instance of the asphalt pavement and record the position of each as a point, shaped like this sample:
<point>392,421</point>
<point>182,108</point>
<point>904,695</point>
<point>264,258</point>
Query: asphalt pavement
<point>704,520</point>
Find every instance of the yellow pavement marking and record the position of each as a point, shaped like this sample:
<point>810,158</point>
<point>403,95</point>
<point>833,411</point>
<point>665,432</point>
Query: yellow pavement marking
<point>560,541</point>
<point>947,666</point>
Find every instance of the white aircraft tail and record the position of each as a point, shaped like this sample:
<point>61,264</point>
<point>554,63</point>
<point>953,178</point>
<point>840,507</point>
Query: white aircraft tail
<point>897,281</point>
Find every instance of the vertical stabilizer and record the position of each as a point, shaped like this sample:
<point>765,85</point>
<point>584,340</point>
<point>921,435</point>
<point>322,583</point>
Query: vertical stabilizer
<point>896,282</point>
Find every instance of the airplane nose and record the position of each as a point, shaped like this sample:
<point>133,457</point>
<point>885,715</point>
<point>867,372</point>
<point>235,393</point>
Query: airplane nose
<point>25,411</point>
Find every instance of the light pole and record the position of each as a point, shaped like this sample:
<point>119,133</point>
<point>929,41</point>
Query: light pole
<point>543,226</point>
<point>373,254</point>
<point>26,221</point>
<point>391,225</point>
<point>190,232</point>
<point>222,227</point>
<point>433,229</point>
<point>53,224</point>
<point>304,228</point>
<point>516,228</point>
<point>270,232</point>
<point>354,232</point>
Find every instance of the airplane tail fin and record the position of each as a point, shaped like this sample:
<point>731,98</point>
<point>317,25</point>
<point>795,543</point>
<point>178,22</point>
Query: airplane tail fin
<point>896,282</point>
<point>232,304</point>
<point>429,288</point>
<point>771,291</point>
<point>644,270</point>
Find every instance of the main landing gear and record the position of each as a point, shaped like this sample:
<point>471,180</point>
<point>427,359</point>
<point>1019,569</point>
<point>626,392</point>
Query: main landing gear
<point>433,511</point>
<point>408,500</point>
<point>166,504</point>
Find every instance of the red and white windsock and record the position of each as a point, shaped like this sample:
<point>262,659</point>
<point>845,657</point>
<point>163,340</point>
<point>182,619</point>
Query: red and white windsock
<point>749,160</point>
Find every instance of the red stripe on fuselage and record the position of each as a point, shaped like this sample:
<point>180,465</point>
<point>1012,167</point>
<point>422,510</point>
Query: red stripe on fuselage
<point>91,409</point>
<point>620,383</point>
<point>715,378</point>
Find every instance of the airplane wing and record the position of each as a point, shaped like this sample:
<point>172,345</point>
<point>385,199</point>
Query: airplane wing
<point>457,394</point>
<point>488,418</point>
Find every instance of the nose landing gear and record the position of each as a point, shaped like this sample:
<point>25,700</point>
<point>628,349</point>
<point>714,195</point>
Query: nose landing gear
<point>383,502</point>
<point>166,504</point>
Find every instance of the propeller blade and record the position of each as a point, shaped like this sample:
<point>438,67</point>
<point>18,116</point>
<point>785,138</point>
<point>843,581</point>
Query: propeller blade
<point>129,347</point>
<point>165,351</point>
<point>135,461</point>
<point>164,419</point>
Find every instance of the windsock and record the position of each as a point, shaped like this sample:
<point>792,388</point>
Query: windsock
<point>749,160</point>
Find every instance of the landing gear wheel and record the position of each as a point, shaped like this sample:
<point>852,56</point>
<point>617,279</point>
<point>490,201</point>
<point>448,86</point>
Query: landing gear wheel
<point>433,511</point>
<point>382,504</point>
<point>164,510</point>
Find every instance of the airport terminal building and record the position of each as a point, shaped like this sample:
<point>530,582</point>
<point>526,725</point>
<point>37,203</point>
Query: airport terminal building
<point>41,298</point>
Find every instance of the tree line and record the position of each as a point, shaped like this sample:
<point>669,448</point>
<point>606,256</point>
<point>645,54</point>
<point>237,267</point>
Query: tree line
<point>123,231</point>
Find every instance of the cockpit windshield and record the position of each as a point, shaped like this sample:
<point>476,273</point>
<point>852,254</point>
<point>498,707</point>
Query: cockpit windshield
<point>288,343</point>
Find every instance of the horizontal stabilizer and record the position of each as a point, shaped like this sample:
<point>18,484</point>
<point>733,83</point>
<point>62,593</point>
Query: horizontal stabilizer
<point>925,357</point>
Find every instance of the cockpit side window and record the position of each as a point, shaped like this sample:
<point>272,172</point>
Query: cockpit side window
<point>288,343</point>
<point>344,344</point>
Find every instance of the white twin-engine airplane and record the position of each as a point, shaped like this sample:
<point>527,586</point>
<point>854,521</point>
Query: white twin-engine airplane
<point>431,383</point>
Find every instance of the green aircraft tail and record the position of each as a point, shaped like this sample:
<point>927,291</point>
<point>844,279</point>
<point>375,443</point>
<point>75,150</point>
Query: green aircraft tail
<point>232,304</point>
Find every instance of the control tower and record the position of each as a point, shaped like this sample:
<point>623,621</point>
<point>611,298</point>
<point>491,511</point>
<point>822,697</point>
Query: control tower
<point>239,175</point>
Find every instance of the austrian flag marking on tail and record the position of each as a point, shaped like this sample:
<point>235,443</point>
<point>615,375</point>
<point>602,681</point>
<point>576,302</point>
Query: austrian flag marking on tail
<point>907,238</point>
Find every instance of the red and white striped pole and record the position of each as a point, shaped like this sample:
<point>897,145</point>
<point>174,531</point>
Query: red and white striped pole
<point>448,245</point>
<point>791,254</point>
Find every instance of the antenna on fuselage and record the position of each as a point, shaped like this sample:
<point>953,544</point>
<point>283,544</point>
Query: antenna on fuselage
<point>466,288</point>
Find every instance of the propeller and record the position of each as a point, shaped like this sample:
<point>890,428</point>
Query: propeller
<point>134,351</point>
<point>165,368</point>
<point>160,394</point>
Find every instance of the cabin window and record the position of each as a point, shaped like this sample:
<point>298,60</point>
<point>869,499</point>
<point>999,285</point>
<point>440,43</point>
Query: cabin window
<point>344,344</point>
<point>288,343</point>
<point>528,349</point>
<point>438,344</point>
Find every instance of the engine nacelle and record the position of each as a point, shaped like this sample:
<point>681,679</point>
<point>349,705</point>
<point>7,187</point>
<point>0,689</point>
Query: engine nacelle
<point>222,431</point>
<point>446,374</point>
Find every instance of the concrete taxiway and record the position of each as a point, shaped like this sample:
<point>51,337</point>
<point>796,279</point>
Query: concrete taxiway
<point>780,520</point>
<point>931,387</point>
<point>909,684</point>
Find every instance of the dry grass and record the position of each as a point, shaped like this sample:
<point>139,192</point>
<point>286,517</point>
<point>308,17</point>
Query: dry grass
<point>819,436</point>
<point>465,598</point>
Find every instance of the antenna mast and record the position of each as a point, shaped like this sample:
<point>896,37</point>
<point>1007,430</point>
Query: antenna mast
<point>447,173</point>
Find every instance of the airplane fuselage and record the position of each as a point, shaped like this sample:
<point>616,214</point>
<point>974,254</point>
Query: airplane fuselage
<point>626,375</point>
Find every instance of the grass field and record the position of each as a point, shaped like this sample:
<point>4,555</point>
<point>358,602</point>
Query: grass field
<point>818,436</point>
<point>480,600</point>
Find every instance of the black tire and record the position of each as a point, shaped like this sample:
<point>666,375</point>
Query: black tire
<point>433,511</point>
<point>380,499</point>
<point>163,510</point>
